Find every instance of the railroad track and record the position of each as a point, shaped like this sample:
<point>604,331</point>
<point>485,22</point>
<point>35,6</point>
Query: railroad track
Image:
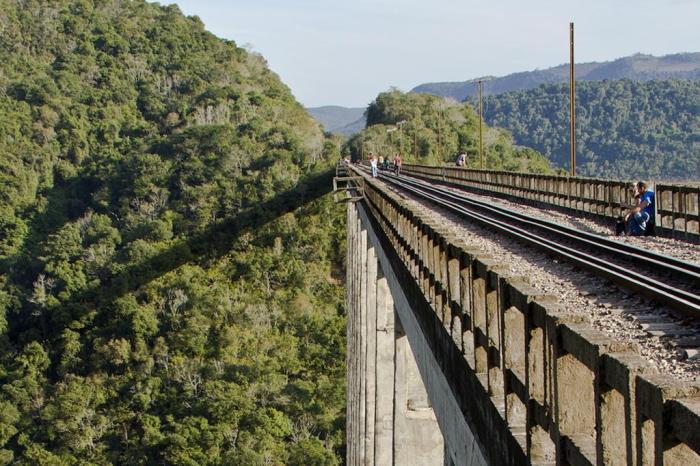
<point>587,251</point>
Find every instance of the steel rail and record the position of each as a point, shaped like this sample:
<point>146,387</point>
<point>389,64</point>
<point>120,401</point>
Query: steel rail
<point>687,302</point>
<point>686,270</point>
<point>690,271</point>
<point>565,250</point>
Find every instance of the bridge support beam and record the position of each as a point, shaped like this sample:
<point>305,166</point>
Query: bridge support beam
<point>389,416</point>
<point>394,382</point>
<point>384,407</point>
<point>417,436</point>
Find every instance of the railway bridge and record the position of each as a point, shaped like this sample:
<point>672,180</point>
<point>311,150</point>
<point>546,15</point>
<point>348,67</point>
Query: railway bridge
<point>454,360</point>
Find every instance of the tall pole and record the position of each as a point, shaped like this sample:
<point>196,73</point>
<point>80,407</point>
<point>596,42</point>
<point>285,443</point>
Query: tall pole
<point>572,99</point>
<point>399,139</point>
<point>439,139</point>
<point>415,145</point>
<point>481,119</point>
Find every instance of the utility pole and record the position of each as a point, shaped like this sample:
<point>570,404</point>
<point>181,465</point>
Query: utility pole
<point>572,100</point>
<point>389,131</point>
<point>481,119</point>
<point>415,145</point>
<point>439,140</point>
<point>400,124</point>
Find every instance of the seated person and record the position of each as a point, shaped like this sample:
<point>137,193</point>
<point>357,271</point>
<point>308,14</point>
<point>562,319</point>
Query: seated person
<point>641,219</point>
<point>638,223</point>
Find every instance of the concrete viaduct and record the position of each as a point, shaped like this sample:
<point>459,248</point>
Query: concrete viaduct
<point>452,361</point>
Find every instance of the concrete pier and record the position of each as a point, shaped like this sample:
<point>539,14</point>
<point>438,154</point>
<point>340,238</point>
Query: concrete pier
<point>390,413</point>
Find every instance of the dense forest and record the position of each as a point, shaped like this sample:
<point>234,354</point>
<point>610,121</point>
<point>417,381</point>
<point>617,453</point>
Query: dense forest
<point>170,269</point>
<point>624,129</point>
<point>431,130</point>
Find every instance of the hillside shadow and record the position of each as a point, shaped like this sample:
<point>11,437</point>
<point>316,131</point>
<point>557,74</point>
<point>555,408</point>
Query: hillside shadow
<point>209,245</point>
<point>218,239</point>
<point>261,163</point>
<point>62,206</point>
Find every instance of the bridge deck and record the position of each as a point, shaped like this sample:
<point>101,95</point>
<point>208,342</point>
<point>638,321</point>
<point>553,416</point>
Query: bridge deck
<point>558,389</point>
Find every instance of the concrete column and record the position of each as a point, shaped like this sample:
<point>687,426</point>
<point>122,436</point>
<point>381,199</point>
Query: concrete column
<point>358,405</point>
<point>384,407</point>
<point>352,314</point>
<point>370,329</point>
<point>362,346</point>
<point>411,444</point>
<point>448,458</point>
<point>417,436</point>
<point>349,273</point>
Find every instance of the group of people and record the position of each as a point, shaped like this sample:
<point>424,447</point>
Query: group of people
<point>641,219</point>
<point>380,162</point>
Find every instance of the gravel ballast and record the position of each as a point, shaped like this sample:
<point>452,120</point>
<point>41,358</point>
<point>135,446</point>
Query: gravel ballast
<point>679,249</point>
<point>620,314</point>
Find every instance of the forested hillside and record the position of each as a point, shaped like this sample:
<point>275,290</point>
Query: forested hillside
<point>638,67</point>
<point>625,128</point>
<point>431,130</point>
<point>170,273</point>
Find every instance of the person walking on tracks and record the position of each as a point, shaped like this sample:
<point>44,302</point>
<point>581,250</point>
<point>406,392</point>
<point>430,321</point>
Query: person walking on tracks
<point>373,165</point>
<point>397,164</point>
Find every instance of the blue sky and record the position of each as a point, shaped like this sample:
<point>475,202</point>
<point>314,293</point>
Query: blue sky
<point>346,52</point>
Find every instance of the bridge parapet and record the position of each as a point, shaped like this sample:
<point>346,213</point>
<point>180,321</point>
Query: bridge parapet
<point>678,206</point>
<point>535,383</point>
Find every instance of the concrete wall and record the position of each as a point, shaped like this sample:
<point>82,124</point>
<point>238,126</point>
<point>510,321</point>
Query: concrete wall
<point>390,419</point>
<point>512,378</point>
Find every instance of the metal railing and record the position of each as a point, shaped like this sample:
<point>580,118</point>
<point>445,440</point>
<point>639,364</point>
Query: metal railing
<point>677,205</point>
<point>678,210</point>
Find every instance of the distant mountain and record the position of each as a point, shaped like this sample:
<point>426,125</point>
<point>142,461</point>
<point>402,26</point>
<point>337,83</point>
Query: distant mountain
<point>639,67</point>
<point>354,127</point>
<point>341,120</point>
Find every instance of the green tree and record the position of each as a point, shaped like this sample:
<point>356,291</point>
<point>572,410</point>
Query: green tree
<point>430,130</point>
<point>625,129</point>
<point>160,301</point>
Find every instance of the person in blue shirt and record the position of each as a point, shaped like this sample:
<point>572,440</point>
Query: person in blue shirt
<point>642,218</point>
